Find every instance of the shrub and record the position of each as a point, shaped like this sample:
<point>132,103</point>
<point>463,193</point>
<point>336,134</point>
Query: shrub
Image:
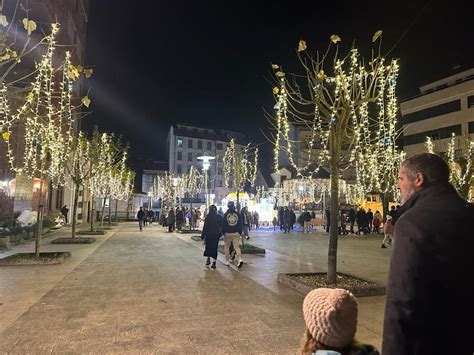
<point>48,222</point>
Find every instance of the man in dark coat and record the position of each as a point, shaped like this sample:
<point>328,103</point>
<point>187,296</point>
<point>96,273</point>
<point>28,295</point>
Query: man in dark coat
<point>429,302</point>
<point>179,218</point>
<point>141,218</point>
<point>170,220</point>
<point>281,221</point>
<point>292,219</point>
<point>286,220</point>
<point>370,218</point>
<point>361,218</point>
<point>64,212</point>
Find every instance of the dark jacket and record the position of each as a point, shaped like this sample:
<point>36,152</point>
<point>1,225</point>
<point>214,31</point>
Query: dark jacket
<point>141,215</point>
<point>232,222</point>
<point>171,217</point>
<point>352,215</point>
<point>179,216</point>
<point>429,307</point>
<point>212,225</point>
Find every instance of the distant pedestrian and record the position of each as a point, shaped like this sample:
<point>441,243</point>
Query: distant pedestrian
<point>292,219</point>
<point>171,220</point>
<point>275,223</point>
<point>377,221</point>
<point>352,219</point>
<point>220,212</point>
<point>211,233</point>
<point>150,216</point>
<point>232,229</point>
<point>370,218</point>
<point>179,218</point>
<point>64,212</point>
<point>141,218</point>
<point>245,222</point>
<point>281,221</point>
<point>328,219</point>
<point>255,219</point>
<point>361,218</point>
<point>330,315</point>
<point>286,220</point>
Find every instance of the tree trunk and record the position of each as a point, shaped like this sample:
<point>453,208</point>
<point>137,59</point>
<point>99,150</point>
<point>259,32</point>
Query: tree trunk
<point>74,210</point>
<point>103,211</point>
<point>92,212</point>
<point>39,218</point>
<point>333,229</point>
<point>116,209</point>
<point>110,210</point>
<point>191,210</point>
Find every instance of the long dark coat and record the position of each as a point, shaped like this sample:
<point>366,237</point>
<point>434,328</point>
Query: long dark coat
<point>211,232</point>
<point>430,294</point>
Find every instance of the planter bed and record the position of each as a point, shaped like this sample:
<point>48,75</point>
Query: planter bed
<point>305,282</point>
<point>77,240</point>
<point>245,249</point>
<point>187,231</point>
<point>50,258</point>
<point>86,232</point>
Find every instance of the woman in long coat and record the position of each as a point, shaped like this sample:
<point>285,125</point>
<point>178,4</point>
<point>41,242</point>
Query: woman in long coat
<point>211,233</point>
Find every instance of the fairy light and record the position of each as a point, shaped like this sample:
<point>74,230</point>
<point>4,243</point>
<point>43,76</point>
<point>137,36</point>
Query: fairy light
<point>239,167</point>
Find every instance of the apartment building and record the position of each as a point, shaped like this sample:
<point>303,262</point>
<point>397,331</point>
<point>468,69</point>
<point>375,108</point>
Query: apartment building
<point>443,107</point>
<point>186,143</point>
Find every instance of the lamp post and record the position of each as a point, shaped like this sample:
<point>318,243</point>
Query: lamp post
<point>206,163</point>
<point>175,184</point>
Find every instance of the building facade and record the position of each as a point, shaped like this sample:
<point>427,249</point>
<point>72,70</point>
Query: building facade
<point>18,193</point>
<point>442,108</point>
<point>186,143</point>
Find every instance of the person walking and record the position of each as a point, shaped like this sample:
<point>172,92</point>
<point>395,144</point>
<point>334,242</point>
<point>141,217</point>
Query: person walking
<point>292,219</point>
<point>171,220</point>
<point>255,219</point>
<point>64,212</point>
<point>141,218</point>
<point>370,218</point>
<point>361,218</point>
<point>179,218</point>
<point>220,212</point>
<point>330,315</point>
<point>328,219</point>
<point>286,220</point>
<point>429,304</point>
<point>232,230</point>
<point>376,222</point>
<point>306,217</point>
<point>245,222</point>
<point>150,215</point>
<point>352,219</point>
<point>211,232</point>
<point>281,217</point>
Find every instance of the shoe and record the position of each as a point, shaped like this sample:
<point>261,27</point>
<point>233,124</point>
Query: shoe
<point>383,246</point>
<point>239,265</point>
<point>247,237</point>
<point>208,261</point>
<point>213,266</point>
<point>226,263</point>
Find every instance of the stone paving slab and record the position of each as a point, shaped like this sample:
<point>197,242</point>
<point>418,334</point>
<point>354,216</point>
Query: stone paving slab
<point>149,292</point>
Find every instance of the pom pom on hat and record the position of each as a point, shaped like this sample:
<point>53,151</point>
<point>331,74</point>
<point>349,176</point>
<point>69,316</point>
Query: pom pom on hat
<point>331,316</point>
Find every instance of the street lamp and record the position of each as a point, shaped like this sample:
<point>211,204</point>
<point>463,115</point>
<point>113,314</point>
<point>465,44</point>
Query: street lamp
<point>175,184</point>
<point>206,163</point>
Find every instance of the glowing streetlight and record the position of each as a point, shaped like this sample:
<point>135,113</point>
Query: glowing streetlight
<point>206,164</point>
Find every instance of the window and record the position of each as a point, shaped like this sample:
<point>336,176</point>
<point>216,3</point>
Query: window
<point>440,133</point>
<point>179,169</point>
<point>471,126</point>
<point>190,156</point>
<point>189,168</point>
<point>434,111</point>
<point>219,183</point>
<point>219,171</point>
<point>180,156</point>
<point>209,146</point>
<point>219,146</point>
<point>470,102</point>
<point>199,144</point>
<point>179,142</point>
<point>190,143</point>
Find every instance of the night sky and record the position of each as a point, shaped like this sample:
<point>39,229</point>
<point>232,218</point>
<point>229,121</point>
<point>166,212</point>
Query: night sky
<point>206,63</point>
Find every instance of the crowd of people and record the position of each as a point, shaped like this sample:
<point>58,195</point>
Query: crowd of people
<point>427,296</point>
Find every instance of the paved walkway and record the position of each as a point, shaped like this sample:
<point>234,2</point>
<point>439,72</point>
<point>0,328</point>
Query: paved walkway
<point>150,292</point>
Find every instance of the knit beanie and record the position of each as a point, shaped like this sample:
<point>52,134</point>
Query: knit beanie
<point>331,316</point>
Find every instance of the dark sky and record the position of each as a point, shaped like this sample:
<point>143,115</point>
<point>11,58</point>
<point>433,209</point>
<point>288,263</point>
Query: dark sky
<point>205,62</point>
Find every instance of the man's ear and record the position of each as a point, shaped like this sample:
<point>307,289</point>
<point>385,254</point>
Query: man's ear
<point>419,180</point>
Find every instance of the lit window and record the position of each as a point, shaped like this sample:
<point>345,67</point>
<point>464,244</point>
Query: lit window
<point>179,142</point>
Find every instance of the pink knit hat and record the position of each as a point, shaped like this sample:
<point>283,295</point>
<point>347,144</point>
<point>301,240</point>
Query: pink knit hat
<point>331,316</point>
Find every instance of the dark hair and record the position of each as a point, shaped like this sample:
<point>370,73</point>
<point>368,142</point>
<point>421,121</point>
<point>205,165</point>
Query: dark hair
<point>433,168</point>
<point>212,209</point>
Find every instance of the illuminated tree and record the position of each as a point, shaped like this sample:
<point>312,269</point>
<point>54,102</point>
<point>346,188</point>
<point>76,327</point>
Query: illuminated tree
<point>240,168</point>
<point>461,168</point>
<point>349,107</point>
